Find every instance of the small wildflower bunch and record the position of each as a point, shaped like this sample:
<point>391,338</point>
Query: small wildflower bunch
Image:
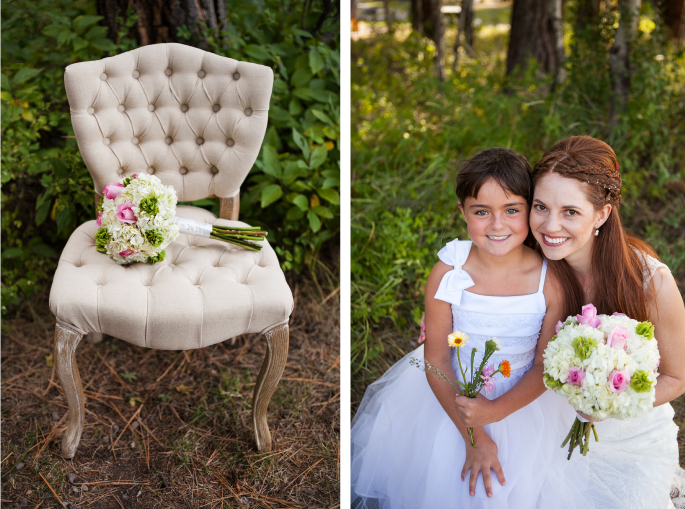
<point>481,379</point>
<point>605,366</point>
<point>137,222</point>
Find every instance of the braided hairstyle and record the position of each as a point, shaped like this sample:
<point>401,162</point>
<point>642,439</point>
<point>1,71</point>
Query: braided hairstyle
<point>617,267</point>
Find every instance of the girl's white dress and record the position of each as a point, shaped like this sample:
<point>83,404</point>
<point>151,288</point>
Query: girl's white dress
<point>407,453</point>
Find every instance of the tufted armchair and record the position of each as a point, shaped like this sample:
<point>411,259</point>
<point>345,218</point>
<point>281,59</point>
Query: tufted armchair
<point>196,120</point>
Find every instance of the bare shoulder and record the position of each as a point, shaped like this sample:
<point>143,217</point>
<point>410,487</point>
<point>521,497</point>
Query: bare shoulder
<point>552,290</point>
<point>666,296</point>
<point>437,273</point>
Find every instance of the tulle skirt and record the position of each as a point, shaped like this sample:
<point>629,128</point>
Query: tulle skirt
<point>407,453</point>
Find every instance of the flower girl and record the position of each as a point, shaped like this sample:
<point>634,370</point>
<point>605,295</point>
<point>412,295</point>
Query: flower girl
<point>410,447</point>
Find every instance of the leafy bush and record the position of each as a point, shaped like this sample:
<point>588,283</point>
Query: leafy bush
<point>46,188</point>
<point>410,132</point>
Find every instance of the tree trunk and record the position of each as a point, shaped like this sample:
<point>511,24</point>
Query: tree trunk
<point>439,38</point>
<point>467,15</point>
<point>424,17</point>
<point>386,14</point>
<point>355,19</point>
<point>619,58</point>
<point>531,36</point>
<point>672,13</point>
<point>556,11</point>
<point>416,12</point>
<point>159,20</point>
<point>586,14</point>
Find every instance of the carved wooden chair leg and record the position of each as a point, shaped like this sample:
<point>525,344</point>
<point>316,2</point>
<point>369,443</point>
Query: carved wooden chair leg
<point>66,341</point>
<point>94,338</point>
<point>269,375</point>
<point>229,208</point>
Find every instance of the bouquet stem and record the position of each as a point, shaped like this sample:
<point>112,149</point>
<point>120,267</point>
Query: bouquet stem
<point>242,236</point>
<point>580,436</point>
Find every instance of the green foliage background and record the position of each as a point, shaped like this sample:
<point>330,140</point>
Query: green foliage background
<point>47,191</point>
<point>409,133</point>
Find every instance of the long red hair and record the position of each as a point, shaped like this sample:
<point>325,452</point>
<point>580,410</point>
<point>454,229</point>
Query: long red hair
<point>617,267</point>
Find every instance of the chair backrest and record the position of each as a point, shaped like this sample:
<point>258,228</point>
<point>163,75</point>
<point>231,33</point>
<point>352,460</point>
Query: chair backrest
<point>194,119</point>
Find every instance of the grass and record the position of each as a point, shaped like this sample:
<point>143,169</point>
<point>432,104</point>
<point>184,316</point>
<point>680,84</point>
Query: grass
<point>191,444</point>
<point>410,132</point>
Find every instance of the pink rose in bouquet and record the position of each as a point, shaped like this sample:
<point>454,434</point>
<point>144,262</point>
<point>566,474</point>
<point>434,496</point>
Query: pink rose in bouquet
<point>618,336</point>
<point>589,316</point>
<point>113,190</point>
<point>576,376</point>
<point>125,213</point>
<point>618,380</point>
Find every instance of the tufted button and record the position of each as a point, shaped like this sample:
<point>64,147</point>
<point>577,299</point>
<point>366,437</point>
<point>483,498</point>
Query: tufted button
<point>183,170</point>
<point>216,108</point>
<point>168,71</point>
<point>201,74</point>
<point>248,111</point>
<point>151,170</point>
<point>184,108</point>
<point>168,140</point>
<point>121,108</point>
<point>230,142</point>
<point>200,140</point>
<point>135,74</point>
<point>135,140</point>
<point>120,171</point>
<point>236,75</point>
<point>103,76</point>
<point>91,111</point>
<point>150,107</point>
<point>214,170</point>
<point>106,141</point>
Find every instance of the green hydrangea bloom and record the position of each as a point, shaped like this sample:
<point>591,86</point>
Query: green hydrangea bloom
<point>553,338</point>
<point>640,381</point>
<point>552,383</point>
<point>99,205</point>
<point>149,205</point>
<point>154,259</point>
<point>101,239</point>
<point>583,347</point>
<point>645,329</point>
<point>127,181</point>
<point>154,237</point>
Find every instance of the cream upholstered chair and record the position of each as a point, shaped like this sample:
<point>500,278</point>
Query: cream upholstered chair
<point>196,120</point>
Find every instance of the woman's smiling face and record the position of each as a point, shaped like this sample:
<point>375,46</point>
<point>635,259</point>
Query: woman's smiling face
<point>562,218</point>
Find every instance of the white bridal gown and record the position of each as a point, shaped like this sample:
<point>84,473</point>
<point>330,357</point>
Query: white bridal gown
<point>407,453</point>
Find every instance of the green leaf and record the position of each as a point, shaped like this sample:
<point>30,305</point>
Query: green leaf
<point>271,164</point>
<point>279,114</point>
<point>295,107</point>
<point>323,95</point>
<point>13,252</point>
<point>65,36</point>
<point>294,214</point>
<point>82,22</point>
<point>97,32</point>
<point>302,202</point>
<point>330,195</point>
<point>319,155</point>
<point>316,63</point>
<point>59,167</point>
<point>24,74</point>
<point>302,33</point>
<point>331,182</point>
<point>322,116</point>
<point>79,43</point>
<point>44,250</point>
<point>270,194</point>
<point>323,212</point>
<point>300,78</point>
<point>5,81</point>
<point>103,45</point>
<point>257,52</point>
<point>302,143</point>
<point>305,93</point>
<point>314,221</point>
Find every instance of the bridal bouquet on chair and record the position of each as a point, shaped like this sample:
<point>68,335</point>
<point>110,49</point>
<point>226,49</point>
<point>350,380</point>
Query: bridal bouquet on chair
<point>137,221</point>
<point>605,366</point>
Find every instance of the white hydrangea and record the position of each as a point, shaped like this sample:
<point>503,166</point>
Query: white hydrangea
<point>132,237</point>
<point>595,396</point>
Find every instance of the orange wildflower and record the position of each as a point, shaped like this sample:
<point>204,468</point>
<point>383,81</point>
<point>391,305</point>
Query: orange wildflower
<point>506,369</point>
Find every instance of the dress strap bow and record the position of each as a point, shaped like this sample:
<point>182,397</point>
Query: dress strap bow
<point>456,280</point>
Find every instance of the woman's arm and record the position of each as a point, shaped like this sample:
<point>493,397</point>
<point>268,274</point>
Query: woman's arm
<point>667,313</point>
<point>483,456</point>
<point>481,411</point>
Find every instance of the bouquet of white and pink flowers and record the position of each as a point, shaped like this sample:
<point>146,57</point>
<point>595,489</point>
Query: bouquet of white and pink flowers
<point>137,220</point>
<point>605,366</point>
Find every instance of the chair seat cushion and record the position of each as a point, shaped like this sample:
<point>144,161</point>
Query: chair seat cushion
<point>204,292</point>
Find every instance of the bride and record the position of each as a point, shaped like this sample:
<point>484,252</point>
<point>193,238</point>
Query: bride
<point>574,217</point>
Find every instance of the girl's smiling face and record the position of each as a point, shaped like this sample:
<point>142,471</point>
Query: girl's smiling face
<point>562,218</point>
<point>497,222</point>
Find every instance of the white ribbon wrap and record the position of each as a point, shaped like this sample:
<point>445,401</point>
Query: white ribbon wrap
<point>192,227</point>
<point>581,418</point>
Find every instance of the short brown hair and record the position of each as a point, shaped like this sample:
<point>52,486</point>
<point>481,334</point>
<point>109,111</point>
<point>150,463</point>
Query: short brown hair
<point>508,168</point>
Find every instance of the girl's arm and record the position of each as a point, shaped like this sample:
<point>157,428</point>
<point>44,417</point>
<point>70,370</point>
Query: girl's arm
<point>667,313</point>
<point>481,411</point>
<point>483,456</point>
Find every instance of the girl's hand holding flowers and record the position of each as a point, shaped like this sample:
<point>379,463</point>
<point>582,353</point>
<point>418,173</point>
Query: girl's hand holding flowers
<point>477,411</point>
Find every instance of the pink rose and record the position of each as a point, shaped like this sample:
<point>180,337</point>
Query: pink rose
<point>134,176</point>
<point>618,336</point>
<point>619,314</point>
<point>618,380</point>
<point>126,253</point>
<point>589,316</point>
<point>656,370</point>
<point>125,213</point>
<point>560,324</point>
<point>488,371</point>
<point>576,376</point>
<point>99,219</point>
<point>489,384</point>
<point>113,190</point>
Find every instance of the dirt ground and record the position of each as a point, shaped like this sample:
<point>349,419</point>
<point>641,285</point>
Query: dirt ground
<point>170,429</point>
